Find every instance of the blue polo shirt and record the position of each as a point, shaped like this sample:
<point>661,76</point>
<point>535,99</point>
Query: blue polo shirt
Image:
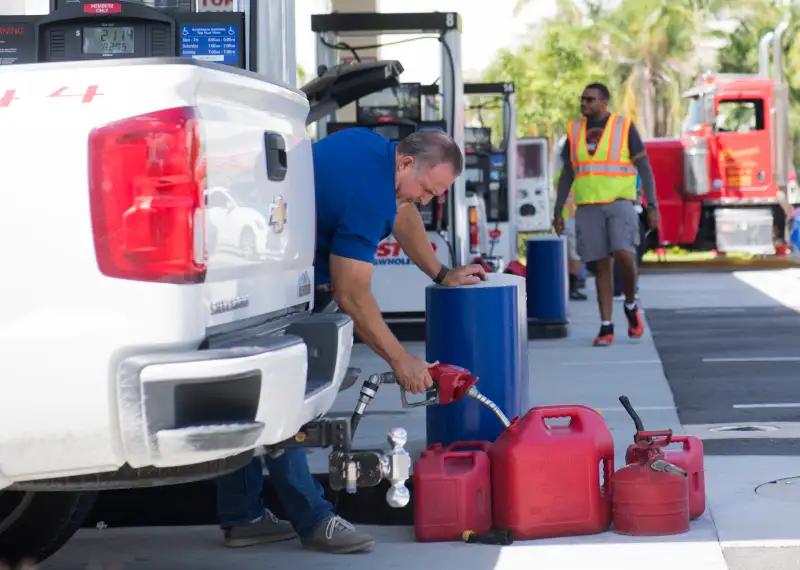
<point>356,206</point>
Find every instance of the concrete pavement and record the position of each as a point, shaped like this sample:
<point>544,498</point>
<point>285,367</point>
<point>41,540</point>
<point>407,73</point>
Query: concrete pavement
<point>740,529</point>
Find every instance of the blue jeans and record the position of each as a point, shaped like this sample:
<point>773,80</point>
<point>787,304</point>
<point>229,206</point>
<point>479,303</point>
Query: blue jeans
<point>239,493</point>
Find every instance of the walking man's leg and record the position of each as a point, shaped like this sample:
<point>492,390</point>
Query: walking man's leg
<point>574,262</point>
<point>310,514</point>
<point>624,237</point>
<point>593,248</point>
<point>241,511</point>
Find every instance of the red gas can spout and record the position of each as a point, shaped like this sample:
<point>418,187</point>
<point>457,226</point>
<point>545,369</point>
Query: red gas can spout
<point>667,467</point>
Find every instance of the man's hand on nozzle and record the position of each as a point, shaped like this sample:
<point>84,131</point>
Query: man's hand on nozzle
<point>653,218</point>
<point>558,224</point>
<point>413,373</point>
<point>465,275</point>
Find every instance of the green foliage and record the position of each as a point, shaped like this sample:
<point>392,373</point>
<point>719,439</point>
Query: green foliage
<point>646,51</point>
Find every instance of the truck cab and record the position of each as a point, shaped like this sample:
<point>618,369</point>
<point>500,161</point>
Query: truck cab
<point>728,182</point>
<point>162,230</point>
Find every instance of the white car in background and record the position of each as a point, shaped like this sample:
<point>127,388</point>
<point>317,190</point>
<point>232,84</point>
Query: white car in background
<point>237,227</point>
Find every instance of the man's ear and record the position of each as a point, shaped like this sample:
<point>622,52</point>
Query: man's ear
<point>406,161</point>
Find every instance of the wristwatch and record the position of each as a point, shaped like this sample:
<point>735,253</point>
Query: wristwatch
<point>441,275</point>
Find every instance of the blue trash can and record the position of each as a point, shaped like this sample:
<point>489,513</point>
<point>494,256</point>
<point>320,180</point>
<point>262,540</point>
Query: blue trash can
<point>547,284</point>
<point>482,328</point>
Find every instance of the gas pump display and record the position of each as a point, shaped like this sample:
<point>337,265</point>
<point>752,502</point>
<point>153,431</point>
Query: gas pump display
<point>105,40</point>
<point>80,30</point>
<point>497,194</point>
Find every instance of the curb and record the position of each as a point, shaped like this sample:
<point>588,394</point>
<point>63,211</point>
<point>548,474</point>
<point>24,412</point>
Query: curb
<point>721,264</point>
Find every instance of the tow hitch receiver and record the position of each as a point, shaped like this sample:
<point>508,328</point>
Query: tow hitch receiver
<point>353,469</point>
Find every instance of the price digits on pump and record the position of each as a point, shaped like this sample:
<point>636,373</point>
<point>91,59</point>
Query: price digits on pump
<point>116,40</point>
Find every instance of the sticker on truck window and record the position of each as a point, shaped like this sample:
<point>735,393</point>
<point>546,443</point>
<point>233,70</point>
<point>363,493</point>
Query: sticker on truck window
<point>10,95</point>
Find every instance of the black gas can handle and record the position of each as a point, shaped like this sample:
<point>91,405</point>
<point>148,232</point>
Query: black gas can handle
<point>276,156</point>
<point>637,421</point>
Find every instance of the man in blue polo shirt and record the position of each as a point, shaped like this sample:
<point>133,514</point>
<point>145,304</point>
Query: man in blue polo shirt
<point>366,188</point>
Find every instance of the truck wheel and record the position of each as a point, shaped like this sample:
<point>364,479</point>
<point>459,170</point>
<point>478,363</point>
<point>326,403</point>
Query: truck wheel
<point>34,525</point>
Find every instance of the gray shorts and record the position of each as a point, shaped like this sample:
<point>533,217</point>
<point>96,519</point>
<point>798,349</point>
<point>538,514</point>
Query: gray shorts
<point>602,229</point>
<point>572,247</point>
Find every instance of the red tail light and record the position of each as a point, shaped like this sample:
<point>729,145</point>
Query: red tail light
<point>147,198</point>
<point>473,229</point>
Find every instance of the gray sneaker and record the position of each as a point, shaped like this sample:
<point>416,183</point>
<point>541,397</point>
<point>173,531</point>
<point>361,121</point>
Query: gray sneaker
<point>337,536</point>
<point>268,529</point>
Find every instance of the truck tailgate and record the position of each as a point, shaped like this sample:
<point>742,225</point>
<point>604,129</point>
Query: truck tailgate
<point>259,225</point>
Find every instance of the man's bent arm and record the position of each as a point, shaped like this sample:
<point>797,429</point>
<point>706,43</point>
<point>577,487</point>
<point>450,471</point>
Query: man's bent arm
<point>410,232</point>
<point>648,180</point>
<point>564,186</point>
<point>351,282</point>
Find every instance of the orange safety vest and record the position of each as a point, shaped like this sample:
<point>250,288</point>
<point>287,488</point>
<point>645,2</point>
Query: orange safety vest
<point>609,174</point>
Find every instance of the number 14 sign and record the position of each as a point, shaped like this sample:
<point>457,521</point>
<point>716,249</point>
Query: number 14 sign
<point>8,96</point>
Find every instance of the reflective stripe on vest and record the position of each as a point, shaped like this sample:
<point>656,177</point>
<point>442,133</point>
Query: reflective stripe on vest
<point>609,174</point>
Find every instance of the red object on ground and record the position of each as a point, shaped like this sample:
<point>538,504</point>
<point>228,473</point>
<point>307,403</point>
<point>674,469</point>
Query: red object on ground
<point>515,268</point>
<point>689,458</point>
<point>452,491</point>
<point>546,477</point>
<point>483,263</point>
<point>649,502</point>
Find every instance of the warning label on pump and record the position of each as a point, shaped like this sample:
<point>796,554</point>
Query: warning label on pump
<point>17,43</point>
<point>219,44</point>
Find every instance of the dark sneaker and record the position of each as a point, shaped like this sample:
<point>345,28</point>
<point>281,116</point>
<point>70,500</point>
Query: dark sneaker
<point>576,295</point>
<point>605,337</point>
<point>269,529</point>
<point>635,324</point>
<point>337,536</point>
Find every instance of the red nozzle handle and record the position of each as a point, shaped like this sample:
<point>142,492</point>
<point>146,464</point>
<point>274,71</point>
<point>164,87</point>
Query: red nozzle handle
<point>452,382</point>
<point>654,434</point>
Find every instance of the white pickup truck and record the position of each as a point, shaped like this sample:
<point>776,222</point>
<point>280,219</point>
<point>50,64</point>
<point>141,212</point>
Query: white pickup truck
<point>141,356</point>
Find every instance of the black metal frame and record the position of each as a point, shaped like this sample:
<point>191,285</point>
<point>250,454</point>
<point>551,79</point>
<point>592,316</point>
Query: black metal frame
<point>476,89</point>
<point>354,22</point>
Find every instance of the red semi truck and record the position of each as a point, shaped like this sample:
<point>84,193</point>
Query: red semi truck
<point>728,183</point>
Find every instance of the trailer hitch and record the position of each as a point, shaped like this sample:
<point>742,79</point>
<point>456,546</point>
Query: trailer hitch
<point>350,469</point>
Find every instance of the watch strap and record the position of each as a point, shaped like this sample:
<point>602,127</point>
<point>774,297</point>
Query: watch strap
<point>441,275</point>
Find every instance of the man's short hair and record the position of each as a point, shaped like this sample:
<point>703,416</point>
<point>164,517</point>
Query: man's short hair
<point>604,92</point>
<point>430,148</point>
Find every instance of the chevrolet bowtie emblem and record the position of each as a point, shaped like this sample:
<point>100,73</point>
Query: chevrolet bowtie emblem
<point>277,215</point>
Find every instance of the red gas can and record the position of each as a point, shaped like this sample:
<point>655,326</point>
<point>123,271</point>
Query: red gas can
<point>546,477</point>
<point>688,457</point>
<point>648,502</point>
<point>452,491</point>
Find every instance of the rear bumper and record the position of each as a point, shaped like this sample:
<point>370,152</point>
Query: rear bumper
<point>179,408</point>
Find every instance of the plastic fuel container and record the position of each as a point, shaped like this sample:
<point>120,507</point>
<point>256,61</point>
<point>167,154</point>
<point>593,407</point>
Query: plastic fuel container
<point>452,491</point>
<point>688,457</point>
<point>552,478</point>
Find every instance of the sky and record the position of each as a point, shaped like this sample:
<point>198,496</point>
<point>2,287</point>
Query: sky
<point>484,32</point>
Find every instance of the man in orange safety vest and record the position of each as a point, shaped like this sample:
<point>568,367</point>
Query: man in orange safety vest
<point>601,158</point>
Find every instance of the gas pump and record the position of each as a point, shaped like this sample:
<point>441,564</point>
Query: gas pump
<point>494,219</point>
<point>477,170</point>
<point>397,284</point>
<point>535,188</point>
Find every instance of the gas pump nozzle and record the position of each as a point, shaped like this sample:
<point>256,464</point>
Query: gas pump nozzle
<point>451,384</point>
